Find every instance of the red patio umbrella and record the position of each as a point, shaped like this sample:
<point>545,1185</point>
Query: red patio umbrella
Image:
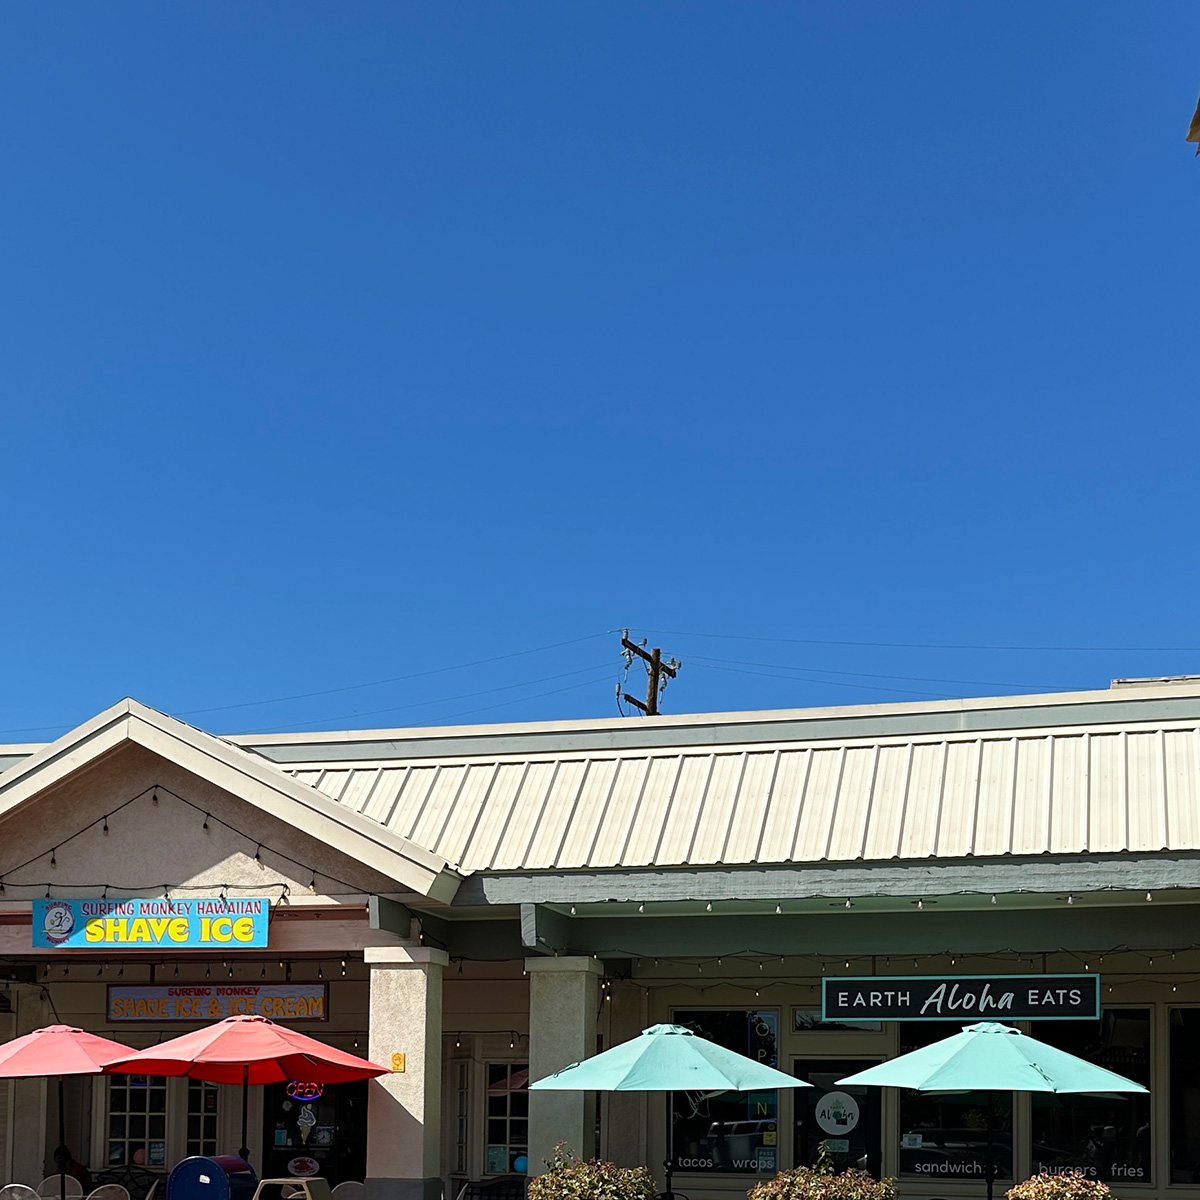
<point>58,1050</point>
<point>247,1050</point>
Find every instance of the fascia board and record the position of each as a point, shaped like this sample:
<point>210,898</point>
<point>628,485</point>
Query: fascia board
<point>254,780</point>
<point>75,750</point>
<point>240,774</point>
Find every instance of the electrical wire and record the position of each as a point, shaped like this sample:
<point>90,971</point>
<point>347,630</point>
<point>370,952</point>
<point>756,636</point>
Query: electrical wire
<point>1051,687</point>
<point>865,687</point>
<point>604,666</point>
<point>741,637</point>
<point>350,687</point>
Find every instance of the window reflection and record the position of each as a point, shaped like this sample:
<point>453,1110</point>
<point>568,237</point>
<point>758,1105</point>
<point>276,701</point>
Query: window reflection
<point>736,1132</point>
<point>946,1136</point>
<point>1106,1137</point>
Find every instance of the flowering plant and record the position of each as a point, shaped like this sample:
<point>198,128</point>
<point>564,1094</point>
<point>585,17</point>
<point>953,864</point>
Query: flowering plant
<point>567,1178</point>
<point>820,1183</point>
<point>1070,1185</point>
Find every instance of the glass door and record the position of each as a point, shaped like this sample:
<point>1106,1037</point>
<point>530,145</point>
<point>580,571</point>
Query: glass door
<point>845,1122</point>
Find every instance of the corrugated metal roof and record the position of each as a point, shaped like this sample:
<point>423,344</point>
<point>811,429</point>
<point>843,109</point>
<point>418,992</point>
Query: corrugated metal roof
<point>1070,790</point>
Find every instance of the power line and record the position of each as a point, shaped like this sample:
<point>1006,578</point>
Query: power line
<point>571,687</point>
<point>351,687</point>
<point>1050,687</point>
<point>741,637</point>
<point>479,662</point>
<point>594,668</point>
<point>865,687</point>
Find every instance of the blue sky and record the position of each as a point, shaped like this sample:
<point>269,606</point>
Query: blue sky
<point>347,343</point>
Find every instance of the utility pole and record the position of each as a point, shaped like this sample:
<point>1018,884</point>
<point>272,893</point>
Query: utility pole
<point>657,673</point>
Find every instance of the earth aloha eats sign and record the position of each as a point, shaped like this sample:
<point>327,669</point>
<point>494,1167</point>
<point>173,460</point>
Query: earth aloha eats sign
<point>151,924</point>
<point>963,998</point>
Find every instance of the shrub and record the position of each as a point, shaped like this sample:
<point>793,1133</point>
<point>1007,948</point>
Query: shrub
<point>1070,1185</point>
<point>567,1178</point>
<point>808,1183</point>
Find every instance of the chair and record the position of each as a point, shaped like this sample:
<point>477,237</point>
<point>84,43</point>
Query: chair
<point>18,1191</point>
<point>109,1191</point>
<point>506,1187</point>
<point>139,1182</point>
<point>349,1191</point>
<point>52,1184</point>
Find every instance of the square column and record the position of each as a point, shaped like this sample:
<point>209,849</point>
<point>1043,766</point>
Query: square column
<point>31,1154</point>
<point>404,1110</point>
<point>563,1002</point>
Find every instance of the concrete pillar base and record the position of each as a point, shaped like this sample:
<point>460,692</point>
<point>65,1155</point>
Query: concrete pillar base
<point>404,1189</point>
<point>563,1000</point>
<point>404,1109</point>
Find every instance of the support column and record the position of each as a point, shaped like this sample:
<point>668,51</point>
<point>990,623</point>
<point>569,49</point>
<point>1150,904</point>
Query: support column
<point>404,1112</point>
<point>563,1002</point>
<point>625,1117</point>
<point>30,1157</point>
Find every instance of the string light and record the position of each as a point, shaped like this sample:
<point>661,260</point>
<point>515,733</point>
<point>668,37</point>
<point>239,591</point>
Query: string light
<point>343,966</point>
<point>708,907</point>
<point>154,797</point>
<point>205,825</point>
<point>258,857</point>
<point>778,909</point>
<point>320,971</point>
<point>54,857</point>
<point>105,829</point>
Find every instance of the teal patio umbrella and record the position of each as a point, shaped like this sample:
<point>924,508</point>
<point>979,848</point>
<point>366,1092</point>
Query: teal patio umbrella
<point>990,1057</point>
<point>667,1058</point>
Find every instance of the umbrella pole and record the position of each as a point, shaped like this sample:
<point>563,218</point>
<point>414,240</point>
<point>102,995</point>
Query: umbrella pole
<point>62,1144</point>
<point>244,1152</point>
<point>669,1157</point>
<point>991,1158</point>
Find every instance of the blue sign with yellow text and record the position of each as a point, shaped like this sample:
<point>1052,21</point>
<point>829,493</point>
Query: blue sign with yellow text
<point>213,924</point>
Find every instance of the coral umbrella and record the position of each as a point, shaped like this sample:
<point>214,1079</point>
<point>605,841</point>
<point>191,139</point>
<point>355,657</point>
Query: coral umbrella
<point>58,1050</point>
<point>246,1050</point>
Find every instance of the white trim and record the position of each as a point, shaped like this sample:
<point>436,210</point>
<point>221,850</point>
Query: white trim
<point>245,775</point>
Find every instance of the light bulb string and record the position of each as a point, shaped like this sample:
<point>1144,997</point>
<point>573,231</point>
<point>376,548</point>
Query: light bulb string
<point>153,790</point>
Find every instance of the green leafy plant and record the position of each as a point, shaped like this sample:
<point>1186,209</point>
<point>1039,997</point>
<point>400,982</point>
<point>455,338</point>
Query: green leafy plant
<point>821,1183</point>
<point>569,1178</point>
<point>1070,1185</point>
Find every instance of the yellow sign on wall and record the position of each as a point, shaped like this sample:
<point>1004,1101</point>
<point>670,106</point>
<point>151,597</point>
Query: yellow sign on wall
<point>398,1063</point>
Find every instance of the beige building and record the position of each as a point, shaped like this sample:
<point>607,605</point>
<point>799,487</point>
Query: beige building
<point>476,906</point>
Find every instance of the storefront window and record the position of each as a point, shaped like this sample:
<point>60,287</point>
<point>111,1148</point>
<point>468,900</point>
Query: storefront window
<point>462,1108</point>
<point>844,1122</point>
<point>507,1118</point>
<point>202,1101</point>
<point>734,1131</point>
<point>1185,1095</point>
<point>945,1137</point>
<point>1106,1137</point>
<point>137,1121</point>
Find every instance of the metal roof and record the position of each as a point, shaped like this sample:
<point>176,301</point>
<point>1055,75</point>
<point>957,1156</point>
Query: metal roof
<point>1065,790</point>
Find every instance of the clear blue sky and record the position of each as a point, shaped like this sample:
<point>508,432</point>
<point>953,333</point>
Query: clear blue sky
<point>343,342</point>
